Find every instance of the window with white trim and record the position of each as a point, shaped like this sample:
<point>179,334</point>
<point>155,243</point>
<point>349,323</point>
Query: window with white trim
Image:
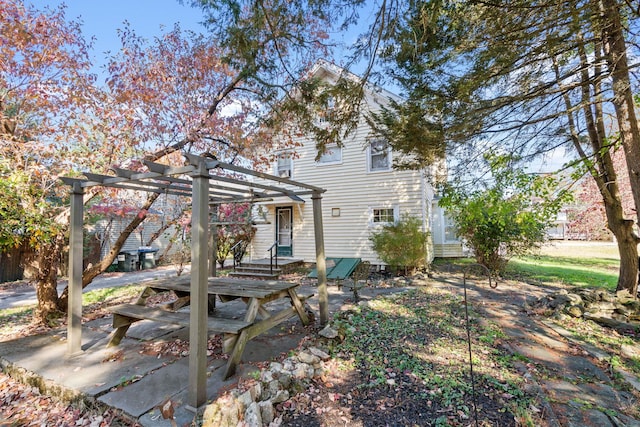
<point>379,155</point>
<point>324,116</point>
<point>383,215</point>
<point>284,165</point>
<point>332,154</point>
<point>450,229</point>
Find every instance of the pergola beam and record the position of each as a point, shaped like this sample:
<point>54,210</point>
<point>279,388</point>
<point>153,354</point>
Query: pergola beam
<point>269,177</point>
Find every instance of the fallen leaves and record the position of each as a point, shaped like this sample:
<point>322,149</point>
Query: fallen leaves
<point>25,405</point>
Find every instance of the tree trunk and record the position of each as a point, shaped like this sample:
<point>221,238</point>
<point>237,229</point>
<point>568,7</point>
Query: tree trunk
<point>46,266</point>
<point>602,169</point>
<point>616,56</point>
<point>628,248</point>
<point>90,273</point>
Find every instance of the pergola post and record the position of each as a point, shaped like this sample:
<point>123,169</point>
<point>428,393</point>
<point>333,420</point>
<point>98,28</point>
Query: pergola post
<point>321,265</point>
<point>197,394</point>
<point>74,310</point>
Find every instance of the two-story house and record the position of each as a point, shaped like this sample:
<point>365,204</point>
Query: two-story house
<point>363,192</point>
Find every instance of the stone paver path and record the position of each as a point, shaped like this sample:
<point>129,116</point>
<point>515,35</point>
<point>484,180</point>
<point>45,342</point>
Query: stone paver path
<point>577,387</point>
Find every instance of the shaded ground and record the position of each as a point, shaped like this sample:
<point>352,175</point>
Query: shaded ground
<point>420,378</point>
<point>404,361</point>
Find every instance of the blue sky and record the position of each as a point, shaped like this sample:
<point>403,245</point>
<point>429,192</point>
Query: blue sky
<point>101,19</point>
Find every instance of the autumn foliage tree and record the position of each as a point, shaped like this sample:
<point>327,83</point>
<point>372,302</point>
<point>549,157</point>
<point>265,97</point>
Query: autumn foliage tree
<point>57,121</point>
<point>179,92</point>
<point>587,216</point>
<point>234,228</point>
<point>44,84</point>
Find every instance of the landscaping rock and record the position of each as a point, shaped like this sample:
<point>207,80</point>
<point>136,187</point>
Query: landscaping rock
<point>574,311</point>
<point>308,358</point>
<point>328,332</point>
<point>252,416</point>
<point>277,383</point>
<point>222,413</point>
<point>321,354</point>
<point>267,413</point>
<point>617,310</point>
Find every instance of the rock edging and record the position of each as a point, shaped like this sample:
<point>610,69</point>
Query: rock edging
<point>619,310</point>
<point>256,406</point>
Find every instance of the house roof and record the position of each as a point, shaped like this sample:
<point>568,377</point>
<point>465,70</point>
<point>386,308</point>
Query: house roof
<point>324,66</point>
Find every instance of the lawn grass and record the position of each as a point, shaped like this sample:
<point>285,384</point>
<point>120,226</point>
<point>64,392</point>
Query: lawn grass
<point>574,271</point>
<point>580,264</point>
<point>99,296</point>
<point>15,319</point>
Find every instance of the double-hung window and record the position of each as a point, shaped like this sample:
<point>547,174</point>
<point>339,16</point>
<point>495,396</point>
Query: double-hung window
<point>332,154</point>
<point>379,155</point>
<point>450,229</point>
<point>284,165</point>
<point>328,110</point>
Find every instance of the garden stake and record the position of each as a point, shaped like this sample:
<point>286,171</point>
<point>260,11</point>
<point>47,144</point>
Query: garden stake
<point>466,318</point>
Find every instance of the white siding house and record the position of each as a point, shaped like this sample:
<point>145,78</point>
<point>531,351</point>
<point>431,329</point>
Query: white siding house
<point>363,192</point>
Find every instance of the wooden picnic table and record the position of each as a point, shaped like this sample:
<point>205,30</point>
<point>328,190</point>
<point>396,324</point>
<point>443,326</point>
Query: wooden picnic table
<point>236,333</point>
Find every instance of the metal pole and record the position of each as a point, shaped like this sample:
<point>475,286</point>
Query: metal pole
<point>321,266</point>
<point>197,394</point>
<point>74,310</point>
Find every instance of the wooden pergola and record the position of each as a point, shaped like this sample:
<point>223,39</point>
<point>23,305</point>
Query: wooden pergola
<point>207,181</point>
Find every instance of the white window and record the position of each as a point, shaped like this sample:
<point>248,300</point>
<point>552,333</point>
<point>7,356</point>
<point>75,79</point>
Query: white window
<point>332,154</point>
<point>450,230</point>
<point>284,165</point>
<point>383,215</point>
<point>379,155</point>
<point>327,110</point>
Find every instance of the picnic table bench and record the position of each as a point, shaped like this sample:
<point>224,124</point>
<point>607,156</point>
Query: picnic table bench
<point>236,333</point>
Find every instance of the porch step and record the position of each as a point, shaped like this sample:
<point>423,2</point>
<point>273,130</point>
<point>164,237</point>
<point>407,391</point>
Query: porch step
<point>251,274</point>
<point>257,268</point>
<point>256,271</point>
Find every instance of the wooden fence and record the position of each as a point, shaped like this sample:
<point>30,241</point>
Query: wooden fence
<point>12,265</point>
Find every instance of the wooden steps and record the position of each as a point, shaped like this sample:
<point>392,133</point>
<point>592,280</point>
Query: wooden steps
<point>261,269</point>
<point>256,271</point>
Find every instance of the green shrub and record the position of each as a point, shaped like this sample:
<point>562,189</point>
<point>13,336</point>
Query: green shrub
<point>402,245</point>
<point>507,217</point>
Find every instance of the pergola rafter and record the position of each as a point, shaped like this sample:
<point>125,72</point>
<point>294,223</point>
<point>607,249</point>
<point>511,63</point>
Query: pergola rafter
<point>208,182</point>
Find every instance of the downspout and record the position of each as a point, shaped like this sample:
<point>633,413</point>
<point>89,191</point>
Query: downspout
<point>426,223</point>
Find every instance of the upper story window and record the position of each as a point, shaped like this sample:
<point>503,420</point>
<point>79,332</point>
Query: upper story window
<point>379,155</point>
<point>284,165</point>
<point>332,154</point>
<point>324,115</point>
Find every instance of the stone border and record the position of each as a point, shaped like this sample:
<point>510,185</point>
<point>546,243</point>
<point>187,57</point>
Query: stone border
<point>256,405</point>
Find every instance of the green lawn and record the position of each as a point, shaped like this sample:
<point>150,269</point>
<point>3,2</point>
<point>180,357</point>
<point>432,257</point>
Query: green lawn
<point>12,319</point>
<point>571,270</point>
<point>581,264</point>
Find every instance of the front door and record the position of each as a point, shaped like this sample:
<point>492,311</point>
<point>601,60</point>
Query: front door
<point>284,231</point>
